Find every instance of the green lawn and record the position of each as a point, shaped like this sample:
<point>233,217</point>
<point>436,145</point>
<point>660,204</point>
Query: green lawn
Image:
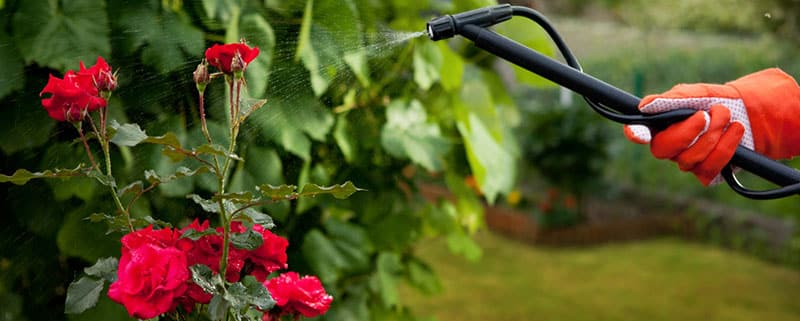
<point>664,279</point>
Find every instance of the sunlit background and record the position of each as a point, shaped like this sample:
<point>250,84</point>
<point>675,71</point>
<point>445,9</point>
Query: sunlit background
<point>491,193</point>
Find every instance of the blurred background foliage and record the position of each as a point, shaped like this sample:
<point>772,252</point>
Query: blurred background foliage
<point>353,95</point>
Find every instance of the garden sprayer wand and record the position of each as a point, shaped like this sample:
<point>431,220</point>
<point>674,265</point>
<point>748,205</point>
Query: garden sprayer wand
<point>607,100</point>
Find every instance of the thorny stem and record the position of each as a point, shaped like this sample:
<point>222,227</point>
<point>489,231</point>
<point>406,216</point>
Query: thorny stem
<point>102,134</point>
<point>225,217</point>
<point>203,116</point>
<point>86,146</point>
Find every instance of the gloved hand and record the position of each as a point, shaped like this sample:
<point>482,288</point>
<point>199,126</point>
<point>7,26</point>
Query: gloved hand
<point>760,111</point>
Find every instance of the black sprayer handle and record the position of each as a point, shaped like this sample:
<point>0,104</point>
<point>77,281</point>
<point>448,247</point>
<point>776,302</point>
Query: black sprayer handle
<point>613,97</point>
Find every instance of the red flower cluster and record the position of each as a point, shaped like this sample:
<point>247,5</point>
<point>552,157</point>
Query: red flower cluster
<point>154,277</point>
<point>295,295</point>
<point>78,93</point>
<point>231,57</point>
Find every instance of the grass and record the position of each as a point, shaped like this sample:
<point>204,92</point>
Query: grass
<point>663,279</point>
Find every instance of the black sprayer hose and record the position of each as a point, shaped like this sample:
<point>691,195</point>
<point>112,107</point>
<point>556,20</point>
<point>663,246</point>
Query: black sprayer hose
<point>611,102</point>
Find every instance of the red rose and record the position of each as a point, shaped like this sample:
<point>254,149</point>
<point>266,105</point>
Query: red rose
<point>270,256</point>
<point>294,294</point>
<point>98,77</point>
<point>152,273</point>
<point>207,250</point>
<point>78,93</point>
<point>69,101</point>
<point>221,56</point>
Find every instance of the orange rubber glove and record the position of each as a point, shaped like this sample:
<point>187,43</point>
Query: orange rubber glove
<point>760,111</point>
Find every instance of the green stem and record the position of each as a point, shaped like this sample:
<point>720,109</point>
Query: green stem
<point>102,135</point>
<point>222,178</point>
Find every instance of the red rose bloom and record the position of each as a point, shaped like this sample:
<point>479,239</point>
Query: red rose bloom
<point>294,294</point>
<point>221,56</point>
<point>98,77</point>
<point>152,273</point>
<point>270,256</point>
<point>68,100</point>
<point>75,95</point>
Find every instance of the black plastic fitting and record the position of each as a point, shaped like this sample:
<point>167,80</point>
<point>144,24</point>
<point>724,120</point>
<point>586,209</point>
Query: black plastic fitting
<point>450,25</point>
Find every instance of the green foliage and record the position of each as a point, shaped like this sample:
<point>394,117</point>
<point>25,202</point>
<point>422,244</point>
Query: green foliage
<point>345,101</point>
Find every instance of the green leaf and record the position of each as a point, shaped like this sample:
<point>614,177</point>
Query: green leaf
<point>388,265</point>
<point>59,34</point>
<point>21,118</point>
<point>81,238</point>
<point>422,277</point>
<point>250,292</point>
<point>215,149</point>
<point>222,10</point>
<point>82,294</point>
<point>490,163</point>
<point>460,243</point>
<point>127,135</point>
<point>344,140</point>
<point>195,235</point>
<point>152,177</point>
<point>255,217</point>
<point>22,176</point>
<point>150,23</point>
<point>104,268</point>
<point>452,72</point>
<point>134,188</point>
<point>249,240</point>
<point>218,308</point>
<point>278,192</point>
<point>408,134</point>
<point>341,191</point>
<point>322,256</point>
<point>328,42</point>
<point>205,278</point>
<point>427,63</point>
<point>13,69</point>
<point>207,205</point>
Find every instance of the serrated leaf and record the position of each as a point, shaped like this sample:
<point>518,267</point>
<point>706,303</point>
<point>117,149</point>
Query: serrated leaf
<point>236,295</point>
<point>340,191</point>
<point>278,192</point>
<point>104,268</point>
<point>82,294</point>
<point>257,294</point>
<point>254,216</point>
<point>249,240</point>
<point>239,197</point>
<point>215,149</point>
<point>58,34</point>
<point>134,188</point>
<point>168,139</point>
<point>152,177</point>
<point>102,178</point>
<point>22,176</point>
<point>207,205</point>
<point>205,278</point>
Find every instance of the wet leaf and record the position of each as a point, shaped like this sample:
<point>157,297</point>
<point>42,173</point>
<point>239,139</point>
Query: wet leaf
<point>127,134</point>
<point>205,278</point>
<point>340,191</point>
<point>58,34</point>
<point>249,240</point>
<point>279,192</point>
<point>152,177</point>
<point>427,63</point>
<point>22,176</point>
<point>195,235</point>
<point>82,294</point>
<point>408,134</point>
<point>104,268</point>
<point>255,217</point>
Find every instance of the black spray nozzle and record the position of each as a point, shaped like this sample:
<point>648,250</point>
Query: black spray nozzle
<point>448,26</point>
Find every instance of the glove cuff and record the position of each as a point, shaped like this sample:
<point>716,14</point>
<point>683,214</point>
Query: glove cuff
<point>772,99</point>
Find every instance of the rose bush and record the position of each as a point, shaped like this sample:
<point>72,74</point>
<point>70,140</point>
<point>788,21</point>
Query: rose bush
<point>168,272</point>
